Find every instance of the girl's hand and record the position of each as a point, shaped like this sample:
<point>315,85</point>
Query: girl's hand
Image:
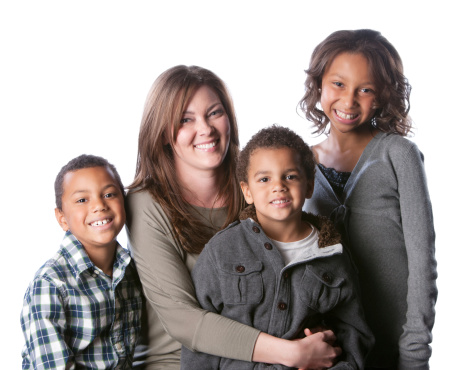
<point>316,350</point>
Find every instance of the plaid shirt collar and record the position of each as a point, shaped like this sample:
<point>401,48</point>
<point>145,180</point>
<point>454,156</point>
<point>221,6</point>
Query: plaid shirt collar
<point>79,261</point>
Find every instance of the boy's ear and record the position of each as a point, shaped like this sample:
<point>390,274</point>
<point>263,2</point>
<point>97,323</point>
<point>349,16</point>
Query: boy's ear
<point>246,192</point>
<point>310,186</point>
<point>61,219</point>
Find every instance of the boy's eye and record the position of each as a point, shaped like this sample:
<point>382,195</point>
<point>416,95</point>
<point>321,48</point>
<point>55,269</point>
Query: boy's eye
<point>264,179</point>
<point>291,177</point>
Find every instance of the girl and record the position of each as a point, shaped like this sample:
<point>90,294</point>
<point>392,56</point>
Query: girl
<point>185,189</point>
<point>370,180</point>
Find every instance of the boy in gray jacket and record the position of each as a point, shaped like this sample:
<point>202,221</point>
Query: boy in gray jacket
<point>279,269</point>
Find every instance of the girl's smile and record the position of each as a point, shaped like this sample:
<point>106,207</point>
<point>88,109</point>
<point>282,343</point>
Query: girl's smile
<point>348,92</point>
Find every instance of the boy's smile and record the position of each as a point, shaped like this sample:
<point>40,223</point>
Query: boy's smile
<point>93,207</point>
<point>278,187</point>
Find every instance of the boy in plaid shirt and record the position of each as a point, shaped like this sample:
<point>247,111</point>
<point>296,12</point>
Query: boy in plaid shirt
<point>83,307</point>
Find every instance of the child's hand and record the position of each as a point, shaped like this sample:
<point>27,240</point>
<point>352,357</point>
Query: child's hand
<point>316,351</point>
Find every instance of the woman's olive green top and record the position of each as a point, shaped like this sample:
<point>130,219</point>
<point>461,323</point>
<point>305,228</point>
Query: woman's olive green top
<point>173,316</point>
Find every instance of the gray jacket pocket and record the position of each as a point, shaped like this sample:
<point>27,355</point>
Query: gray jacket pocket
<point>241,282</point>
<point>320,289</point>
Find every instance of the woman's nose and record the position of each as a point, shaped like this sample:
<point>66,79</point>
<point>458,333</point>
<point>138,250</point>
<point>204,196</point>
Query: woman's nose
<point>204,127</point>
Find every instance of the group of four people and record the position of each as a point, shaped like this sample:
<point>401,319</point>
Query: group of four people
<point>279,283</point>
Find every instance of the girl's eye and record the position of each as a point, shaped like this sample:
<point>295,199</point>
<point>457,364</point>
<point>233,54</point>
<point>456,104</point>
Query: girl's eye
<point>367,91</point>
<point>264,179</point>
<point>185,120</point>
<point>291,177</point>
<point>110,195</point>
<point>82,200</point>
<point>339,84</point>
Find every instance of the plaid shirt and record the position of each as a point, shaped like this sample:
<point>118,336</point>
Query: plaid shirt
<point>74,316</point>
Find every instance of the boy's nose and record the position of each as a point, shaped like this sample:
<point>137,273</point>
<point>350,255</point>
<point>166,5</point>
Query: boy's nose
<point>279,186</point>
<point>99,205</point>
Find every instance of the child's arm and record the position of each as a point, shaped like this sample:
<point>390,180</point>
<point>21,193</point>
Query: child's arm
<point>43,323</point>
<point>418,228</point>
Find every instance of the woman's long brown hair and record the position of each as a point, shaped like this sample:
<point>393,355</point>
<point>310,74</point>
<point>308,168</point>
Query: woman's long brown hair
<point>155,171</point>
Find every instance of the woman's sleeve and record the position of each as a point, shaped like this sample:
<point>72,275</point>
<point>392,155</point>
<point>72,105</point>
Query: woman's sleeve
<point>169,289</point>
<point>418,227</point>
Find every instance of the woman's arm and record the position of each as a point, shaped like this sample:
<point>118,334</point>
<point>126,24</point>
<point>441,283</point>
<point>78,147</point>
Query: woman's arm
<point>164,270</point>
<point>314,351</point>
<point>168,287</point>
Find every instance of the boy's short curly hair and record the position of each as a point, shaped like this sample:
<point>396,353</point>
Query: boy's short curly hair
<point>78,163</point>
<point>276,137</point>
<point>392,97</point>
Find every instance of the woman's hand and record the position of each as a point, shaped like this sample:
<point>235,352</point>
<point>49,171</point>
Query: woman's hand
<point>315,351</point>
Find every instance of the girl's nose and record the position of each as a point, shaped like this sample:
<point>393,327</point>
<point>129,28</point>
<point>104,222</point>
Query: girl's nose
<point>349,98</point>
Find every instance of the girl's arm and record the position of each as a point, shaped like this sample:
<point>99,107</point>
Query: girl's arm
<point>169,291</point>
<point>418,227</point>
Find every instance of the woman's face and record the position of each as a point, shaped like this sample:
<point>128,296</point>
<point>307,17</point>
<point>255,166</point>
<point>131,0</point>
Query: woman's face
<point>204,135</point>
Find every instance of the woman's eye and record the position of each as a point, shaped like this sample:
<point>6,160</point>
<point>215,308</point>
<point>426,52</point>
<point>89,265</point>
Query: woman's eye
<point>216,112</point>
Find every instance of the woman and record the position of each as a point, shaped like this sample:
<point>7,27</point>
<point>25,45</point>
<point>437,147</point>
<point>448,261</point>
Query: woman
<point>185,190</point>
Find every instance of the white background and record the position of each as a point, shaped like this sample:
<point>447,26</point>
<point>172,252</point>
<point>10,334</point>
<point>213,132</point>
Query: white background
<point>74,77</point>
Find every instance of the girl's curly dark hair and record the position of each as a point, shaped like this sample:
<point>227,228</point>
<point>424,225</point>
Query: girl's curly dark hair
<point>392,97</point>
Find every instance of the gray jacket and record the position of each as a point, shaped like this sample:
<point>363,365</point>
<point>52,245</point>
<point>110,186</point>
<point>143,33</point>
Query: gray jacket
<point>241,275</point>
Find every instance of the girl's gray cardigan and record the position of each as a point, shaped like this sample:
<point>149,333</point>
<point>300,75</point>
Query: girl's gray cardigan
<point>386,214</point>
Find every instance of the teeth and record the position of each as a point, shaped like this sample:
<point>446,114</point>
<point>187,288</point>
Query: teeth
<point>100,223</point>
<point>345,116</point>
<point>280,201</point>
<point>206,146</point>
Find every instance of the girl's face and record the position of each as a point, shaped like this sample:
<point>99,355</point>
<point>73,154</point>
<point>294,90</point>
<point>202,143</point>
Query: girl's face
<point>348,92</point>
<point>204,136</point>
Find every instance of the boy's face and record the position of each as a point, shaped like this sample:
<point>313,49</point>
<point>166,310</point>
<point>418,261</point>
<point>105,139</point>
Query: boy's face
<point>277,185</point>
<point>93,207</point>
